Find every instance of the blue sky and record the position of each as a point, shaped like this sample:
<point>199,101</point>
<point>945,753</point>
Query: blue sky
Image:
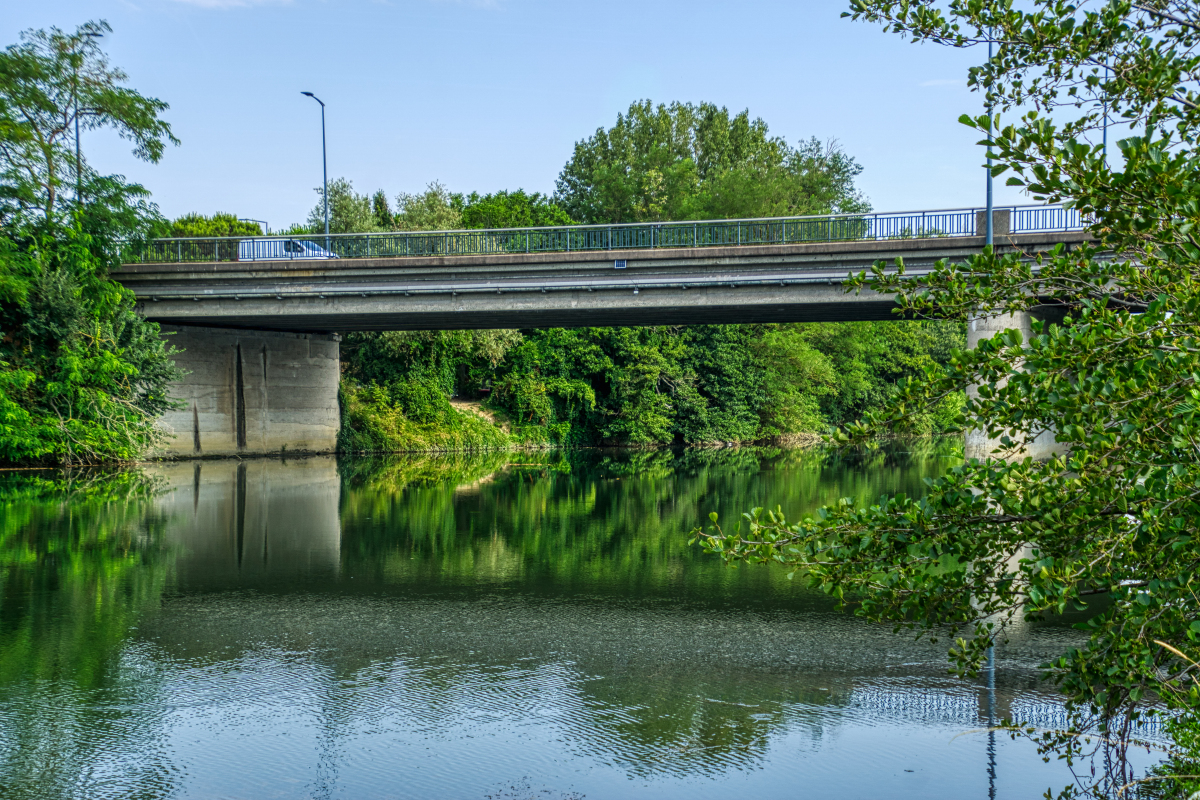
<point>493,94</point>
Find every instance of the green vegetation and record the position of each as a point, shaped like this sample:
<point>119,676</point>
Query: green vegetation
<point>634,386</point>
<point>1112,527</point>
<point>404,417</point>
<point>219,224</point>
<point>435,209</point>
<point>82,375</point>
<point>684,161</point>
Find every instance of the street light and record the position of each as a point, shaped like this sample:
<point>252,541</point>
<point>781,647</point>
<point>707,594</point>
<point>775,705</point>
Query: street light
<point>991,650</point>
<point>78,158</point>
<point>324,168</point>
<point>1108,77</point>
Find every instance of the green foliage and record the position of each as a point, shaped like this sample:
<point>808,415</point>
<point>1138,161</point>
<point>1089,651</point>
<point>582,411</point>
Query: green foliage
<point>219,224</point>
<point>435,209</point>
<point>512,210</point>
<point>48,83</point>
<point>382,210</point>
<point>697,162</point>
<point>82,375</point>
<point>1110,528</point>
<point>349,212</point>
<point>655,386</point>
<point>411,417</point>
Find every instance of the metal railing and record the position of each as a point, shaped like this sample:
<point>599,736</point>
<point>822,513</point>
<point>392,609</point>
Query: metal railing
<point>946,223</point>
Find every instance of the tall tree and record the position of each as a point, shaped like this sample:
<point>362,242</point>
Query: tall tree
<point>685,161</point>
<point>83,377</point>
<point>349,211</point>
<point>54,83</point>
<point>1111,528</point>
<point>435,209</point>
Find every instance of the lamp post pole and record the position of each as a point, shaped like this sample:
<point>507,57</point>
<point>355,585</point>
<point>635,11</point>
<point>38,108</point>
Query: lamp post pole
<point>991,651</point>
<point>1104,144</point>
<point>324,168</point>
<point>989,231</point>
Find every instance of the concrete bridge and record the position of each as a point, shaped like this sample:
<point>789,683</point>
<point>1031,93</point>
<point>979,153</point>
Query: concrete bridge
<point>261,336</point>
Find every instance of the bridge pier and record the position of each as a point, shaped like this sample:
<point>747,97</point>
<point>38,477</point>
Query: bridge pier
<point>985,326</point>
<point>252,393</point>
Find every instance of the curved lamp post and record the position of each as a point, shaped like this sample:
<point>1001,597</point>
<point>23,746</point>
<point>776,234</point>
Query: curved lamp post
<point>324,168</point>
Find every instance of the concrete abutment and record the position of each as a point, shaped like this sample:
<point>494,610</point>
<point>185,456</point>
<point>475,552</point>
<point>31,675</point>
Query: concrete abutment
<point>252,393</point>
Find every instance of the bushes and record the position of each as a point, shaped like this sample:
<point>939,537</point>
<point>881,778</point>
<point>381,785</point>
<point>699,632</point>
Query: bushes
<point>418,417</point>
<point>637,386</point>
<point>219,224</point>
<point>82,376</point>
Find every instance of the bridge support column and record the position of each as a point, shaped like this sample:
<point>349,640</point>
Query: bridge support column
<point>978,445</point>
<point>253,393</point>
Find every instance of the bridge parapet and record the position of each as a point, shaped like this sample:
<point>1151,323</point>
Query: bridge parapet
<point>865,227</point>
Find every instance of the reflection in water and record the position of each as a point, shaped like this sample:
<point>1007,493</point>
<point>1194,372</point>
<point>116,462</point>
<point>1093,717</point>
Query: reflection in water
<point>460,626</point>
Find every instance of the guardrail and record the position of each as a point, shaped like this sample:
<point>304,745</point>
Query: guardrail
<point>636,236</point>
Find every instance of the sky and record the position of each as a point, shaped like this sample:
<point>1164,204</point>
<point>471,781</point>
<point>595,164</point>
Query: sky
<point>484,95</point>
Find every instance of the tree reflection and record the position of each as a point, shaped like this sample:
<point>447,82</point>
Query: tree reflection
<point>82,558</point>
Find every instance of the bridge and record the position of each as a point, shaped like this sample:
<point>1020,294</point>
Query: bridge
<point>259,317</point>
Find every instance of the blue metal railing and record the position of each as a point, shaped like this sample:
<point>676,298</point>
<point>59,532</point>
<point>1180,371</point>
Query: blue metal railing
<point>636,236</point>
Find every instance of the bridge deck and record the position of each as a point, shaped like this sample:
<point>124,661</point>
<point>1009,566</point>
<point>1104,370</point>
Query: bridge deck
<point>747,283</point>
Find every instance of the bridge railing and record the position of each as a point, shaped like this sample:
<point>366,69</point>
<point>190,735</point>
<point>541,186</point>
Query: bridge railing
<point>636,236</point>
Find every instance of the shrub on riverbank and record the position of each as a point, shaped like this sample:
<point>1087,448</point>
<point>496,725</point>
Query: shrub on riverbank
<point>374,419</point>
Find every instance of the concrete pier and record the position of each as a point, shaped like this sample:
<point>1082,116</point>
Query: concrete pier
<point>253,393</point>
<point>984,326</point>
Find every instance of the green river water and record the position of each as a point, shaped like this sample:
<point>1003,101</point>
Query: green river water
<point>499,626</point>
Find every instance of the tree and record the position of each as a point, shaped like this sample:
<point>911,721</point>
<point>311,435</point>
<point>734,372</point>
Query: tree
<point>697,162</point>
<point>51,83</point>
<point>1112,527</point>
<point>349,211</point>
<point>517,209</point>
<point>83,376</point>
<point>435,209</point>
<point>382,210</point>
<point>219,224</point>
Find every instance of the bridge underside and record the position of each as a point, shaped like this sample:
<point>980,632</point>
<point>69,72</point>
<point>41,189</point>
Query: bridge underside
<point>559,309</point>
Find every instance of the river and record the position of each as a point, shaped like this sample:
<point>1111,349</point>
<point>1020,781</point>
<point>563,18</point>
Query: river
<point>508,626</point>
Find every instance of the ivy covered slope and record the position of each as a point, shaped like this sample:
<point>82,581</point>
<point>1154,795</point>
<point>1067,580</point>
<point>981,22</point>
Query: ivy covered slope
<point>633,386</point>
<point>82,376</point>
<point>1112,527</point>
